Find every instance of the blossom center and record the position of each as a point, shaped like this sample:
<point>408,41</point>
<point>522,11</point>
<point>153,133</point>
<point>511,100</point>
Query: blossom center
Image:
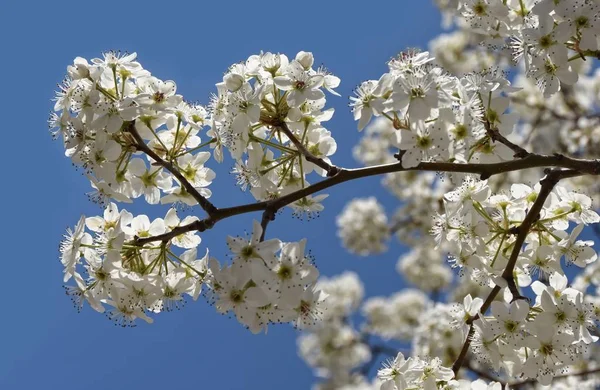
<point>158,97</point>
<point>300,85</point>
<point>581,21</point>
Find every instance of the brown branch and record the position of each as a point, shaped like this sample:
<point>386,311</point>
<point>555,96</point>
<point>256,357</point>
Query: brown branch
<point>519,384</point>
<point>141,145</point>
<point>267,216</point>
<point>465,348</point>
<point>331,170</point>
<point>198,225</point>
<point>591,167</point>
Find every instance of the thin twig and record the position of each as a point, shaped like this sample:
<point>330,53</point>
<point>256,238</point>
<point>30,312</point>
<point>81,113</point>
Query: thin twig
<point>495,135</point>
<point>331,170</point>
<point>141,145</point>
<point>547,184</point>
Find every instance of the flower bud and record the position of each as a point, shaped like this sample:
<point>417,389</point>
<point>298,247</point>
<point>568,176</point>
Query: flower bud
<point>305,59</point>
<point>79,69</point>
<point>271,62</point>
<point>233,81</point>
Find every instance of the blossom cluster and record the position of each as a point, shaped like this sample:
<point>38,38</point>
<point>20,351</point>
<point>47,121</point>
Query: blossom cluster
<point>479,226</point>
<point>267,282</point>
<point>397,316</point>
<point>109,269</point>
<point>544,35</point>
<point>439,117</point>
<point>266,111</point>
<point>333,347</point>
<point>363,226</point>
<point>102,106</point>
<point>415,373</point>
<point>537,340</point>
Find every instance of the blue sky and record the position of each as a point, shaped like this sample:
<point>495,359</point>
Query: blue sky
<point>45,342</point>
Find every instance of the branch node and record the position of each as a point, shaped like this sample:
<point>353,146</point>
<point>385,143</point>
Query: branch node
<point>267,216</point>
<point>398,156</point>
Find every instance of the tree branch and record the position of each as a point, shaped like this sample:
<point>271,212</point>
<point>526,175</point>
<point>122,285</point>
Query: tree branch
<point>590,167</point>
<point>141,145</point>
<point>520,384</point>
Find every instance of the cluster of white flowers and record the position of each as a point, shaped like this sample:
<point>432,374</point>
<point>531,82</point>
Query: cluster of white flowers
<point>536,341</point>
<point>414,373</point>
<point>133,281</point>
<point>459,52</point>
<point>439,117</point>
<point>397,316</point>
<point>479,226</point>
<point>541,33</point>
<point>267,282</point>
<point>267,108</point>
<point>436,334</point>
<point>333,347</point>
<point>540,340</point>
<point>333,350</point>
<point>363,226</point>
<point>345,293</point>
<point>425,267</point>
<point>98,105</point>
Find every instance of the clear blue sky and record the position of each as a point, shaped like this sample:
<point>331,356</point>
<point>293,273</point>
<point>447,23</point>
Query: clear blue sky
<point>45,343</point>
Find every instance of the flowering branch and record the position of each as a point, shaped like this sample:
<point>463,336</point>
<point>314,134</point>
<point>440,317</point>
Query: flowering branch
<point>578,166</point>
<point>442,124</point>
<point>547,184</point>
